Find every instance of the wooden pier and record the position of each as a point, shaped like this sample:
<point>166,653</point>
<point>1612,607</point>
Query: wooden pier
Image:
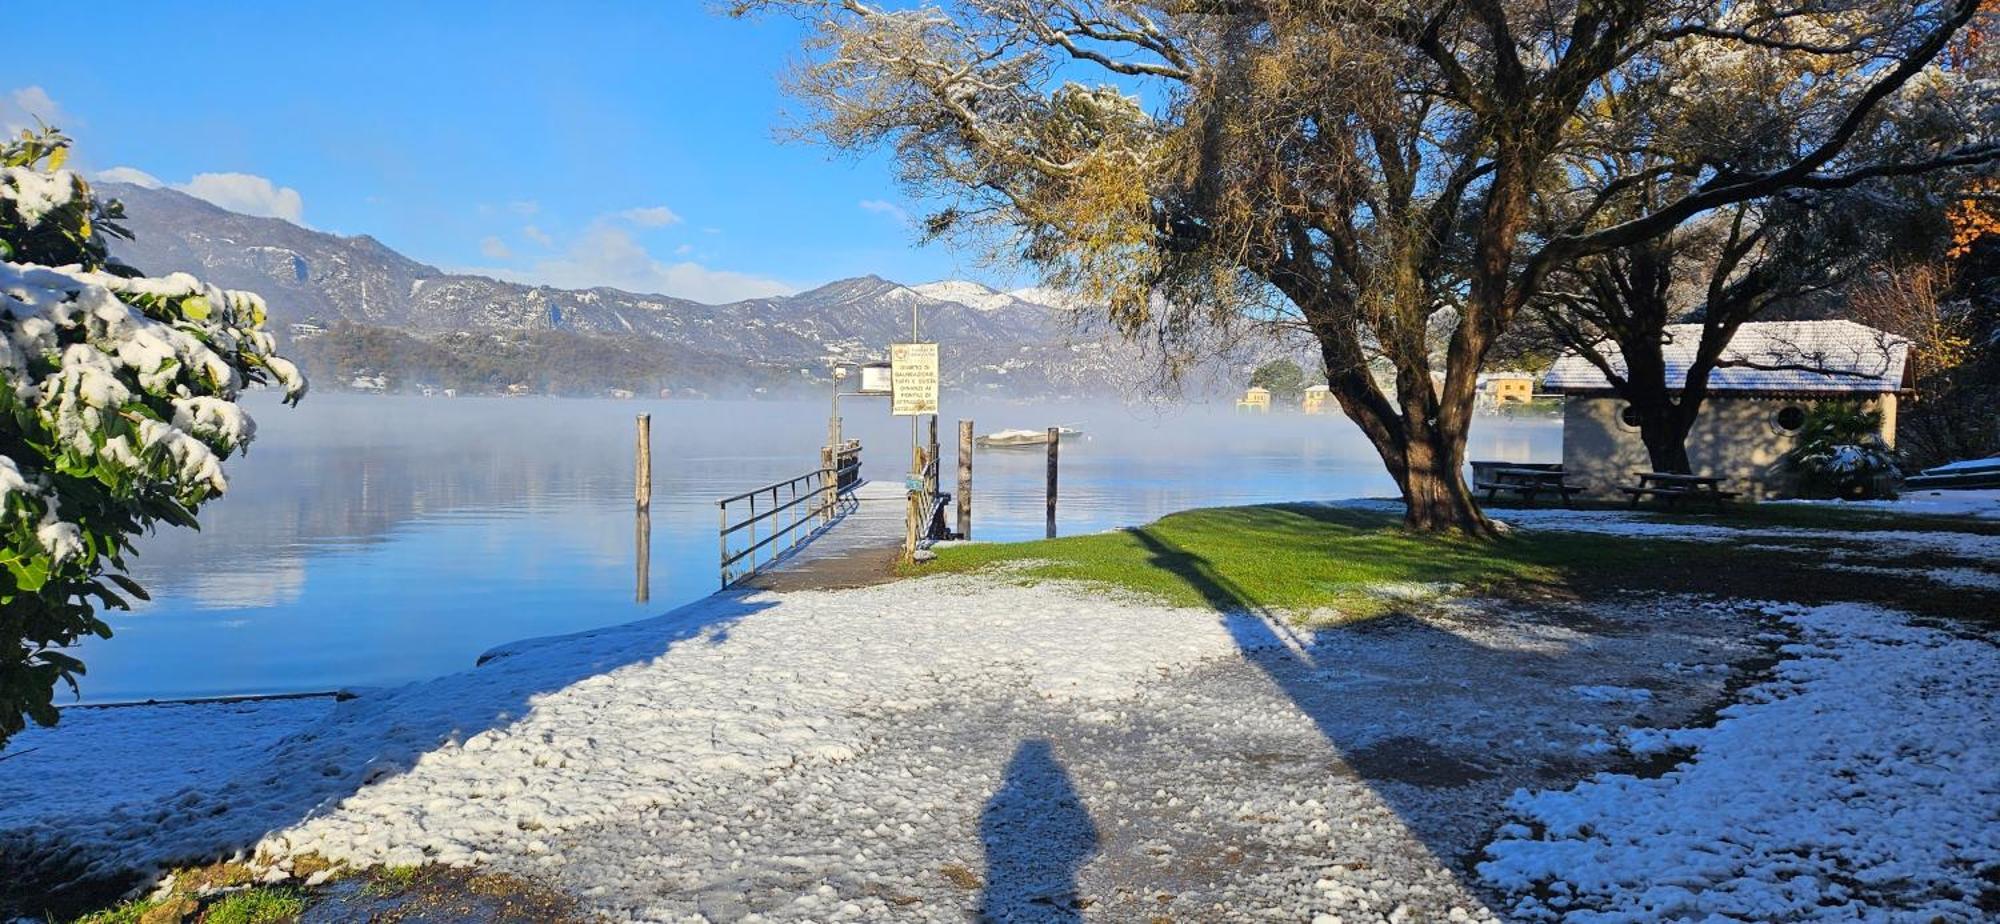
<point>859,548</point>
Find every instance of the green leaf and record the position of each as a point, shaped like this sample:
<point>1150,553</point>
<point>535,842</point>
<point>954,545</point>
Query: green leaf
<point>196,307</point>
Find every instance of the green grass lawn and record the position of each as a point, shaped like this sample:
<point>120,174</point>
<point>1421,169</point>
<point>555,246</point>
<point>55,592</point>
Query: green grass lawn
<point>1329,563</point>
<point>1291,558</point>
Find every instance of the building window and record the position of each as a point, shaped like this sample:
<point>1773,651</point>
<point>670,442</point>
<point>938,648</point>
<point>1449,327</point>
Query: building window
<point>1629,417</point>
<point>1791,418</point>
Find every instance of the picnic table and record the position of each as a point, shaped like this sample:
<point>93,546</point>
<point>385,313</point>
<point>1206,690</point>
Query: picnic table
<point>1525,480</point>
<point>1674,487</point>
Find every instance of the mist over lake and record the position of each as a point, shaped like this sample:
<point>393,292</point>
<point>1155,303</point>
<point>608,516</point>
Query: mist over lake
<point>371,540</point>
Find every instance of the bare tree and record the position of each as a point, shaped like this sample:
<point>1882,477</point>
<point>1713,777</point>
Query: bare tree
<point>1367,171</point>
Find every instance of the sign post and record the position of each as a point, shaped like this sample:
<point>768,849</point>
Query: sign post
<point>913,379</point>
<point>913,392</point>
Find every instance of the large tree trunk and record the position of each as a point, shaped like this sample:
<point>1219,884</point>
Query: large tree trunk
<point>1435,496</point>
<point>1665,432</point>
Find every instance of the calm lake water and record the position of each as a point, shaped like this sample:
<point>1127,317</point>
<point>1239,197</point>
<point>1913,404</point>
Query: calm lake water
<point>371,540</point>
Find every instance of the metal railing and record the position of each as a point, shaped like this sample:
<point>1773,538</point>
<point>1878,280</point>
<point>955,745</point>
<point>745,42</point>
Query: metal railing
<point>793,511</point>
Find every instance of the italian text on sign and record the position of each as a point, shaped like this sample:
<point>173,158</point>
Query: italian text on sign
<point>913,378</point>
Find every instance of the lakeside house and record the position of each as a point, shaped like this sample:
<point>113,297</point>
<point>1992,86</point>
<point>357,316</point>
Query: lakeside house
<point>1255,399</point>
<point>1315,399</point>
<point>1500,388</point>
<point>1772,374</point>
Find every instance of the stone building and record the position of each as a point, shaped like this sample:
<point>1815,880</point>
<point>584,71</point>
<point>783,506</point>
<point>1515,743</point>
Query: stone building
<point>1770,376</point>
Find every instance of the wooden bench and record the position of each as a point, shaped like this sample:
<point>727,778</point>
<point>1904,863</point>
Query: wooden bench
<point>1526,481</point>
<point>1673,487</point>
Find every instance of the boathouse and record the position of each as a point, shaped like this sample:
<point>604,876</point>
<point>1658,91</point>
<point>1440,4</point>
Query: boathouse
<point>1769,377</point>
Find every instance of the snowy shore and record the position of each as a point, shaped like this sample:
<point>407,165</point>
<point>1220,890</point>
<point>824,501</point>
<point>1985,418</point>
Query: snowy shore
<point>936,748</point>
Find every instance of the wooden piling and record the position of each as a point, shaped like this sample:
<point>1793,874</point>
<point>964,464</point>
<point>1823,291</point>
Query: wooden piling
<point>829,465</point>
<point>1055,445</point>
<point>642,484</point>
<point>642,549</point>
<point>933,468</point>
<point>965,479</point>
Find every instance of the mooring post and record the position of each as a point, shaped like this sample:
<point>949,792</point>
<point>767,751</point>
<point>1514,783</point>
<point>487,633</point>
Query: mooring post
<point>829,464</point>
<point>642,548</point>
<point>1055,445</point>
<point>965,479</point>
<point>642,485</point>
<point>932,467</point>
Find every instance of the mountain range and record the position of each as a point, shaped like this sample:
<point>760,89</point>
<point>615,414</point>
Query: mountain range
<point>359,314</point>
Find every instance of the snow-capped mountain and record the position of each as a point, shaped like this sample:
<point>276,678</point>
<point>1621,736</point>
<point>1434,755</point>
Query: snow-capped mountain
<point>342,291</point>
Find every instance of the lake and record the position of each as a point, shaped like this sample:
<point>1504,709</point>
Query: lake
<point>370,540</point>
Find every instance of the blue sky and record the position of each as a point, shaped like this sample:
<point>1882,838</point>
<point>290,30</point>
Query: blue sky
<point>628,144</point>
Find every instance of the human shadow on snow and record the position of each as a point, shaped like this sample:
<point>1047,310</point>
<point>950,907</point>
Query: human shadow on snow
<point>1036,835</point>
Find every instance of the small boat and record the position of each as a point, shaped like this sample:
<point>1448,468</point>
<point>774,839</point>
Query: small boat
<point>1971,473</point>
<point>1012,439</point>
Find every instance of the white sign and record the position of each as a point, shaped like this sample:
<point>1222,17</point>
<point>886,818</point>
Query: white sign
<point>913,378</point>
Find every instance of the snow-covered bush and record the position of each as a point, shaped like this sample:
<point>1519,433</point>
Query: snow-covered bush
<point>117,408</point>
<point>1840,453</point>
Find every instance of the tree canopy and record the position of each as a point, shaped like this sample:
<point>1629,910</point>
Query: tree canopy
<point>117,412</point>
<point>1377,173</point>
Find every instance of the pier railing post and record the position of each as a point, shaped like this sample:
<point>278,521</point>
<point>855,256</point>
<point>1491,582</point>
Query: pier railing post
<point>1055,446</point>
<point>829,466</point>
<point>642,482</point>
<point>965,479</point>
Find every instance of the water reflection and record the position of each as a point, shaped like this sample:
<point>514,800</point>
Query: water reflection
<point>374,540</point>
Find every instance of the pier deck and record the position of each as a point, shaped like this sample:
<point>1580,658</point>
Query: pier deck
<point>860,548</point>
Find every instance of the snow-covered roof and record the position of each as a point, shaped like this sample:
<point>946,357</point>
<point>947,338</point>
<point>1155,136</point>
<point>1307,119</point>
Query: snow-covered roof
<point>1765,356</point>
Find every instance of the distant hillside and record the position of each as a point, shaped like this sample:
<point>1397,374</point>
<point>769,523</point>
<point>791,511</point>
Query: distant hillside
<point>362,315</point>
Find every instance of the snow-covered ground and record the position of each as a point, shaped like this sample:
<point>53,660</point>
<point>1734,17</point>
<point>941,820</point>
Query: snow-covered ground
<point>1983,504</point>
<point>935,748</point>
<point>928,748</point>
<point>1862,782</point>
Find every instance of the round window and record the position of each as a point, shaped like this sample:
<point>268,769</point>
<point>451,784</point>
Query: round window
<point>1629,417</point>
<point>1791,418</point>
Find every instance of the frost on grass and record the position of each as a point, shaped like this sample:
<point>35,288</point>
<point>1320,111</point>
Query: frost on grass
<point>1860,783</point>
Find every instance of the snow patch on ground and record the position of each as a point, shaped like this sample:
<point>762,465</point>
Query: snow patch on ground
<point>100,756</point>
<point>1983,504</point>
<point>1884,542</point>
<point>1860,783</point>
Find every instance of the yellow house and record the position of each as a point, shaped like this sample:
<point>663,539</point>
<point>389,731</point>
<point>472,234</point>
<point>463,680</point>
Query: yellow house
<point>1507,387</point>
<point>1256,399</point>
<point>1315,399</point>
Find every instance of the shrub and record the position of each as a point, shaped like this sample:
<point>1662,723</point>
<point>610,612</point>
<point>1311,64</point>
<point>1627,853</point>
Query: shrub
<point>117,408</point>
<point>1841,454</point>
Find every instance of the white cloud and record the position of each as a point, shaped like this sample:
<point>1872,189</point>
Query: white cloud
<point>537,235</point>
<point>22,106</point>
<point>495,248</point>
<point>248,194</point>
<point>132,175</point>
<point>658,216</point>
<point>524,207</point>
<point>607,255</point>
<point>884,207</point>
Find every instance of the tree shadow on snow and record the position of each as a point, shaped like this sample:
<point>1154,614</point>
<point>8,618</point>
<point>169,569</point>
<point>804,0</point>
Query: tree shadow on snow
<point>1416,728</point>
<point>1036,835</point>
<point>93,853</point>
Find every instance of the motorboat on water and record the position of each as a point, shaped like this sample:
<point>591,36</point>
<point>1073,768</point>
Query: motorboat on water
<point>1016,439</point>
